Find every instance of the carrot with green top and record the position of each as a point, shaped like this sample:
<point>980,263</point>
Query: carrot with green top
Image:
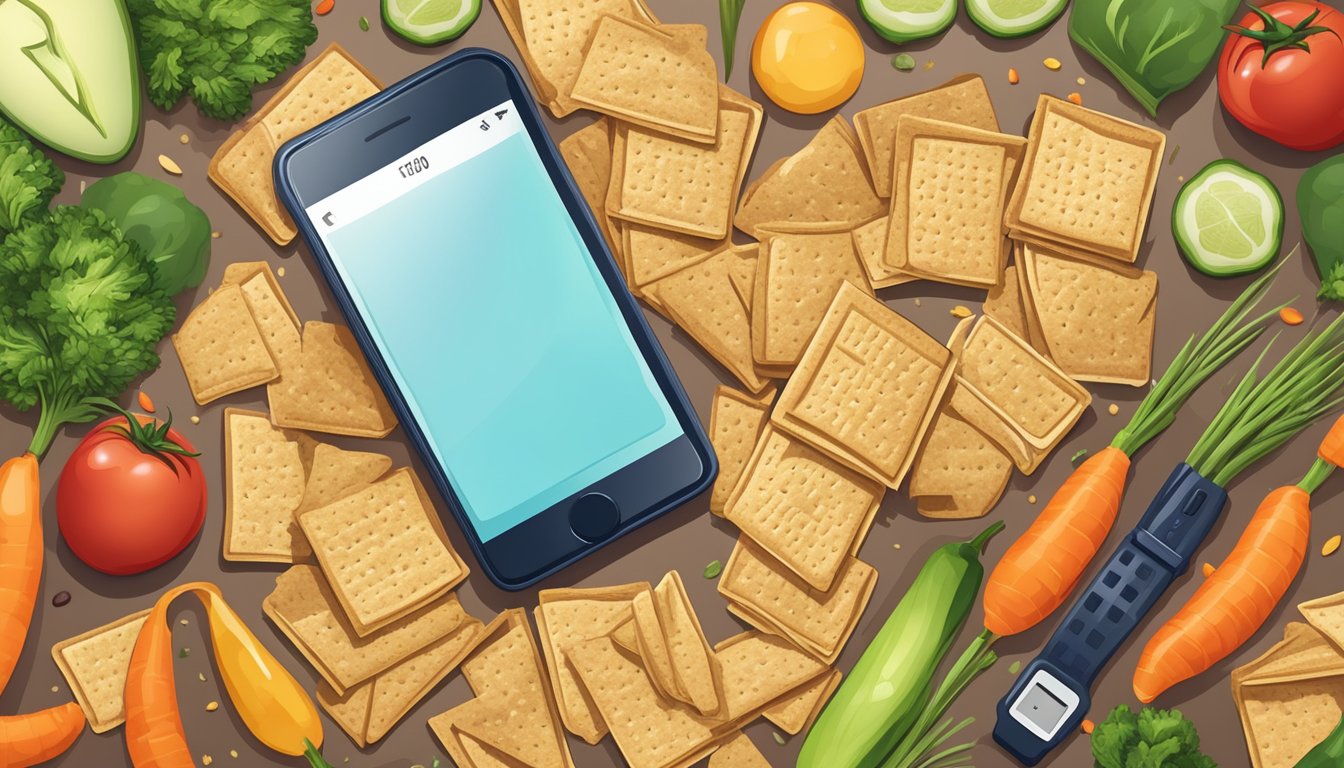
<point>1238,597</point>
<point>1041,568</point>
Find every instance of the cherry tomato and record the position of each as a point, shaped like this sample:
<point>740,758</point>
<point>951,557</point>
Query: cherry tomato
<point>1282,75</point>
<point>128,500</point>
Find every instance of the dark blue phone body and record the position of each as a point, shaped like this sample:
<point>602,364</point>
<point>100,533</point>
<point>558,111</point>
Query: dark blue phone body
<point>348,150</point>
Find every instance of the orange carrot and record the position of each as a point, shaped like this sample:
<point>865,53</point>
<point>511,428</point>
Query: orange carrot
<point>1236,599</point>
<point>154,734</point>
<point>1332,447</point>
<point>1041,568</point>
<point>20,556</point>
<point>38,737</point>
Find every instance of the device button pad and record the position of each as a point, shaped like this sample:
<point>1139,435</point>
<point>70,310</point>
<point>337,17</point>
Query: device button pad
<point>594,517</point>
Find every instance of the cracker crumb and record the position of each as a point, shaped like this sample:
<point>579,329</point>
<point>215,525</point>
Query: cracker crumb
<point>960,311</point>
<point>206,759</point>
<point>1113,409</point>
<point>779,738</point>
<point>1012,75</point>
<point>214,235</point>
<point>212,706</point>
<point>1208,570</point>
<point>895,546</point>
<point>200,676</point>
<point>1076,98</point>
<point>195,419</point>
<point>1082,81</point>
<point>82,184</point>
<point>55,689</point>
<point>233,753</point>
<point>918,303</point>
<point>168,164</point>
<point>1052,64</point>
<point>184,138</point>
<point>1181,179</point>
<point>183,622</point>
<point>1031,499</point>
<point>928,64</point>
<point>280,272</point>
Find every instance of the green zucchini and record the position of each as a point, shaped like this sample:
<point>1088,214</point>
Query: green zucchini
<point>1014,18</point>
<point>883,696</point>
<point>902,21</point>
<point>1228,220</point>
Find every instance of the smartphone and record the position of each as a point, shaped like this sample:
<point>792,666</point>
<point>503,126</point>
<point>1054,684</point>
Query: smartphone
<point>496,320</point>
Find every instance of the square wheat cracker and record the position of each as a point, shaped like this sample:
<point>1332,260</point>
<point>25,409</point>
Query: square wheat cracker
<point>797,713</point>
<point>384,551</point>
<point>1283,721</point>
<point>735,421</point>
<point>798,276</point>
<point>551,35</point>
<point>944,226</point>
<point>680,185</point>
<point>1087,180</point>
<point>760,671</point>
<point>803,507</point>
<point>866,388</point>
<point>221,349</point>
<point>95,664</point>
<point>264,479</point>
<point>826,182</point>
<point>336,473</point>
<point>587,153</point>
<point>1097,318</point>
<point>566,617</point>
<point>303,606</point>
<point>654,253</point>
<point>963,100</point>
<point>645,635</point>
<point>1004,303</point>
<point>960,472</point>
<point>694,665</point>
<point>659,77</point>
<point>328,387</point>
<point>870,243</point>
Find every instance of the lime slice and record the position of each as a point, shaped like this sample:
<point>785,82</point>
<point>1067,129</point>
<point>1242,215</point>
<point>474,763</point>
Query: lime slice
<point>1014,18</point>
<point>902,21</point>
<point>1228,220</point>
<point>430,22</point>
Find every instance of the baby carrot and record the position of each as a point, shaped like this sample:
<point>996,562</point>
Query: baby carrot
<point>35,738</point>
<point>1236,599</point>
<point>20,556</point>
<point>1039,570</point>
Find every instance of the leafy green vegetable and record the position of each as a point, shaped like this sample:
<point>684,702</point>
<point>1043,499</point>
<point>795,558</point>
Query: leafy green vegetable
<point>1320,205</point>
<point>1153,49</point>
<point>169,229</point>
<point>903,61</point>
<point>1154,738</point>
<point>28,179</point>
<point>80,316</point>
<point>217,51</point>
<point>315,758</point>
<point>713,570</point>
<point>730,12</point>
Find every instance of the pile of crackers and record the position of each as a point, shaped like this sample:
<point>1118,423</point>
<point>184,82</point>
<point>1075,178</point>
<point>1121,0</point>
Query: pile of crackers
<point>1291,697</point>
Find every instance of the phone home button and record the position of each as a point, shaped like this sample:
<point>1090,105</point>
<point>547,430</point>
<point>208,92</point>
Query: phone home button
<point>594,517</point>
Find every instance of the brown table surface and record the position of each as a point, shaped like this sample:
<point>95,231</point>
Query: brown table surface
<point>688,538</point>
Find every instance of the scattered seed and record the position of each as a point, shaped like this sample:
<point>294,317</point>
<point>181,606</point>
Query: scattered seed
<point>903,61</point>
<point>778,738</point>
<point>918,303</point>
<point>364,23</point>
<point>1088,726</point>
<point>233,753</point>
<point>1113,409</point>
<point>324,7</point>
<point>1082,81</point>
<point>713,570</point>
<point>184,653</point>
<point>195,419</point>
<point>1052,64</point>
<point>82,185</point>
<point>928,64</point>
<point>206,759</point>
<point>1031,499</point>
<point>60,598</point>
<point>1181,179</point>
<point>1076,98</point>
<point>168,164</point>
<point>200,676</point>
<point>1290,316</point>
<point>1331,544</point>
<point>214,235</point>
<point>212,706</point>
<point>895,546</point>
<point>55,689</point>
<point>1176,150</point>
<point>960,311</point>
<point>1015,667</point>
<point>1012,75</point>
<point>280,272</point>
<point>1078,457</point>
<point>1208,569</point>
<point>184,138</point>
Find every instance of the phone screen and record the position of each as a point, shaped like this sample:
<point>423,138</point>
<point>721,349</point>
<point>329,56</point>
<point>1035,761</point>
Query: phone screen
<point>497,327</point>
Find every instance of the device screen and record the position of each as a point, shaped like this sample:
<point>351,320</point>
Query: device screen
<point>495,323</point>
<point>1043,708</point>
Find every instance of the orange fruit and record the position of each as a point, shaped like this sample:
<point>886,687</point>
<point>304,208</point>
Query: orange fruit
<point>808,57</point>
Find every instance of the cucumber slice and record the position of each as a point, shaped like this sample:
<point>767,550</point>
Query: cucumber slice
<point>430,22</point>
<point>1228,220</point>
<point>1014,18</point>
<point>902,21</point>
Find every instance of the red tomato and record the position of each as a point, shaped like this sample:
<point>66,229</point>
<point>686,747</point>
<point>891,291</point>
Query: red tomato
<point>1296,95</point>
<point>126,503</point>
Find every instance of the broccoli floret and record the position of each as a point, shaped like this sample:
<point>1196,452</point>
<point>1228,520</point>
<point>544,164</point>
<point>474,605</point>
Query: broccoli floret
<point>80,317</point>
<point>1152,738</point>
<point>217,51</point>
<point>1332,284</point>
<point>28,179</point>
